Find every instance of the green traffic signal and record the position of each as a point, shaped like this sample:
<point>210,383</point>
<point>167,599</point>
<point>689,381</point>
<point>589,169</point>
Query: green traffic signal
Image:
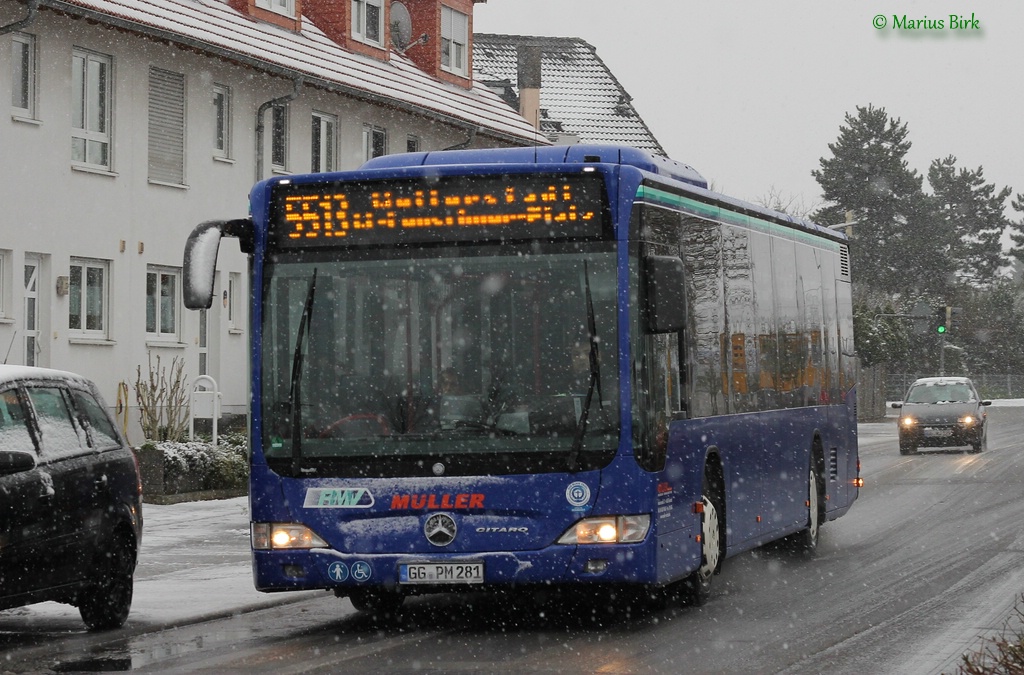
<point>941,321</point>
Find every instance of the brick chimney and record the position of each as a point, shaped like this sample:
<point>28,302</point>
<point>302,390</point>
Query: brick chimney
<point>528,70</point>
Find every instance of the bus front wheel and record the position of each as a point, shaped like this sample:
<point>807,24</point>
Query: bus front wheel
<point>697,587</point>
<point>379,602</point>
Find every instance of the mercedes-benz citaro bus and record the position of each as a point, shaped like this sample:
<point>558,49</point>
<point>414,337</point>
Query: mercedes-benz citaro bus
<point>534,367</point>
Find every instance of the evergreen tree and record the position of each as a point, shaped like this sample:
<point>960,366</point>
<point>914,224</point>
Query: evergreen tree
<point>1017,229</point>
<point>972,212</point>
<point>894,244</point>
<point>991,328</point>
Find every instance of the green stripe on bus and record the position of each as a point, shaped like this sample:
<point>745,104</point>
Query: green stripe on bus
<point>723,215</point>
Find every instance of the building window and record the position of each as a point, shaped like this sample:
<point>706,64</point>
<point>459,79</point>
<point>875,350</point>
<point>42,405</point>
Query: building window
<point>375,141</point>
<point>323,142</point>
<point>23,76</point>
<point>412,144</point>
<point>367,20</point>
<point>162,302</point>
<point>166,127</point>
<point>234,301</point>
<point>87,297</point>
<point>222,121</point>
<point>279,137</point>
<point>454,38</point>
<point>90,108</point>
<point>283,7</point>
<point>5,282</point>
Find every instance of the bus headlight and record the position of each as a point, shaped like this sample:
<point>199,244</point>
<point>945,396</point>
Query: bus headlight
<point>278,536</point>
<point>608,530</point>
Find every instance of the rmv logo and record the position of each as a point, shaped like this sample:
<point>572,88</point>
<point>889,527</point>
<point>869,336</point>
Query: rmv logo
<point>338,498</point>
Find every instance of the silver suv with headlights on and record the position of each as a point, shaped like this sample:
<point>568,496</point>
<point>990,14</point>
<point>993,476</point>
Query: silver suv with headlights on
<point>942,412</point>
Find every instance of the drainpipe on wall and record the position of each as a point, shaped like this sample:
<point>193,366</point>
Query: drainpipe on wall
<point>466,143</point>
<point>297,82</point>
<point>33,9</point>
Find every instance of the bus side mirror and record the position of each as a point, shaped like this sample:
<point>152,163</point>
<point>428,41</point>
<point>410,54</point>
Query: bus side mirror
<point>666,299</point>
<point>200,260</point>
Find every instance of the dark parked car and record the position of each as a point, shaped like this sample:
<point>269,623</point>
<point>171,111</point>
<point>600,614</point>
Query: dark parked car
<point>70,497</point>
<point>943,412</point>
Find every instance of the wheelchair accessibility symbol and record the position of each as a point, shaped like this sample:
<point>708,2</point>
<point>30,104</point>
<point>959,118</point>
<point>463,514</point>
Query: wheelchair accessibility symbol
<point>337,571</point>
<point>360,571</point>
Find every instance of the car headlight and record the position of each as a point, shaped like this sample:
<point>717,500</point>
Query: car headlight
<point>907,422</point>
<point>608,530</point>
<point>968,420</point>
<point>281,536</point>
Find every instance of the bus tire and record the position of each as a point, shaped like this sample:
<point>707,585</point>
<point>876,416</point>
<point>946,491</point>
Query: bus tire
<point>806,540</point>
<point>377,601</point>
<point>697,586</point>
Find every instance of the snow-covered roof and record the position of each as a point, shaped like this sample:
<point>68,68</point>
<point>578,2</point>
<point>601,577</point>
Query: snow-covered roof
<point>578,92</point>
<point>213,27</point>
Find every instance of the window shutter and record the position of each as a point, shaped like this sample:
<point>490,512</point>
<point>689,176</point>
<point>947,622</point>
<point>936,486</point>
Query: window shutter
<point>166,126</point>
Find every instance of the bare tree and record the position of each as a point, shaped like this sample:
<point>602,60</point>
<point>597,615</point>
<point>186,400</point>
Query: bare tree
<point>789,204</point>
<point>163,401</point>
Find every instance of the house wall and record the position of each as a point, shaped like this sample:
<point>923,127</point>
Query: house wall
<point>55,211</point>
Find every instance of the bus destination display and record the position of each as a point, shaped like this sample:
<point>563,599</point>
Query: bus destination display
<point>524,206</point>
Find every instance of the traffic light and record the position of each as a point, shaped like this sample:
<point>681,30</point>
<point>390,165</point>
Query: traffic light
<point>941,321</point>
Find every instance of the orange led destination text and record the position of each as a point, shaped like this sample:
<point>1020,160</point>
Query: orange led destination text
<point>331,215</point>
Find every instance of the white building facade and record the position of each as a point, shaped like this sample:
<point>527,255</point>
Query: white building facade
<point>131,123</point>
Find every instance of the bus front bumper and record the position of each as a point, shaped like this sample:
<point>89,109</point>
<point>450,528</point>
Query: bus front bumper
<point>290,570</point>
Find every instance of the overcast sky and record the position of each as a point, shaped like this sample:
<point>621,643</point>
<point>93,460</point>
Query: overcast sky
<point>751,92</point>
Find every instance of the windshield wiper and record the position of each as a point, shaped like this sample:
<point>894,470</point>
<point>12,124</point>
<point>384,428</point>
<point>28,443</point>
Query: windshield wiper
<point>595,377</point>
<point>295,393</point>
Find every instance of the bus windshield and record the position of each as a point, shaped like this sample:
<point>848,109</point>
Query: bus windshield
<point>480,357</point>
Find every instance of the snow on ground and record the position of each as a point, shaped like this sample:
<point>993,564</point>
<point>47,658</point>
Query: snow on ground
<point>195,563</point>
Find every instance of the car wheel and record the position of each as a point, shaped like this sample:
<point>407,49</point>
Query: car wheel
<point>376,601</point>
<point>981,444</point>
<point>697,586</point>
<point>105,603</point>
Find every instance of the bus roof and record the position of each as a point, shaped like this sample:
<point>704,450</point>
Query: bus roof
<point>559,154</point>
<point>588,153</point>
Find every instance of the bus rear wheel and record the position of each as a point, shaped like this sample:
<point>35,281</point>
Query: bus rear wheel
<point>697,586</point>
<point>806,540</point>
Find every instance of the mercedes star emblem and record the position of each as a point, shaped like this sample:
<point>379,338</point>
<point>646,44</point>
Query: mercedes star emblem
<point>440,529</point>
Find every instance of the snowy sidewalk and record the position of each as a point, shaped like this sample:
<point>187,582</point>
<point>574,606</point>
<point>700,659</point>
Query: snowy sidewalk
<point>194,565</point>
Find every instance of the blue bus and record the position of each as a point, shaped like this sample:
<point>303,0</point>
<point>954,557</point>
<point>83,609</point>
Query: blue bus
<point>534,367</point>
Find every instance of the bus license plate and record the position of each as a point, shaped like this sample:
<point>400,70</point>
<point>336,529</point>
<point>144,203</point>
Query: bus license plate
<point>441,573</point>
